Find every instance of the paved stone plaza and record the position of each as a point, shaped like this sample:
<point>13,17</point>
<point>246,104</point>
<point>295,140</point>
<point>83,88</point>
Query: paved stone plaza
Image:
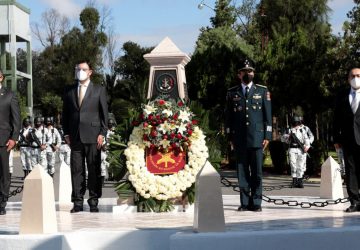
<point>130,230</point>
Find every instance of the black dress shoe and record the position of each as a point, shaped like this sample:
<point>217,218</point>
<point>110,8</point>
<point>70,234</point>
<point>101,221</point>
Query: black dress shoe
<point>76,209</point>
<point>2,211</point>
<point>256,208</point>
<point>243,208</point>
<point>353,208</point>
<point>94,209</point>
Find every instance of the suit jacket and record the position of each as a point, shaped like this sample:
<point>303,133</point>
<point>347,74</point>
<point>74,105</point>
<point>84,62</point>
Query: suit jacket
<point>10,120</point>
<point>88,121</point>
<point>248,121</point>
<point>346,124</point>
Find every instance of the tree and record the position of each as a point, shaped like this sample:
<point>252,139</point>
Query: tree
<point>133,71</point>
<point>295,61</point>
<point>53,27</point>
<point>213,66</point>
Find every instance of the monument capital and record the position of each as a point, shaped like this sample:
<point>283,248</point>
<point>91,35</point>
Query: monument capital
<point>167,71</point>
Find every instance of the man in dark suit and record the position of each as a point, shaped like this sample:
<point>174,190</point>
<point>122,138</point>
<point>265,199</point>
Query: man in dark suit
<point>85,118</point>
<point>347,135</point>
<point>248,124</point>
<point>10,123</point>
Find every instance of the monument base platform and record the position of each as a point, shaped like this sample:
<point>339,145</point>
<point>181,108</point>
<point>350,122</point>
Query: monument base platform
<point>276,227</point>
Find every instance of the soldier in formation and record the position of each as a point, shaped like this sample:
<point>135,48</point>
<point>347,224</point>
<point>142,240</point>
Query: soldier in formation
<point>25,146</point>
<point>64,151</point>
<point>299,138</point>
<point>54,147</point>
<point>105,174</point>
<point>40,139</point>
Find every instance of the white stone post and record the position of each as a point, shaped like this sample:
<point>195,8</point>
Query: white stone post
<point>209,210</point>
<point>38,213</point>
<point>65,187</point>
<point>331,183</point>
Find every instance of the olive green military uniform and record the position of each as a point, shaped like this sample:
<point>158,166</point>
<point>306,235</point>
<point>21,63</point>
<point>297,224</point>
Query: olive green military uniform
<point>248,122</point>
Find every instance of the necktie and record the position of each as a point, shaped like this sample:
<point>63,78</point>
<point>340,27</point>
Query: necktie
<point>355,102</point>
<point>246,92</point>
<point>81,94</point>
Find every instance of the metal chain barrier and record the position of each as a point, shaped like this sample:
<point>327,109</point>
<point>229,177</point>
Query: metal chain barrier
<point>16,191</point>
<point>290,203</point>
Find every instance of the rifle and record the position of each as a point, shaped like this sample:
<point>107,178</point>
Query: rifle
<point>34,137</point>
<point>23,141</point>
<point>302,146</point>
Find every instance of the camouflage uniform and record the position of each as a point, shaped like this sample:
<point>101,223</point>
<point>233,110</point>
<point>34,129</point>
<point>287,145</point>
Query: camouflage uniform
<point>25,147</point>
<point>40,140</point>
<point>52,148</point>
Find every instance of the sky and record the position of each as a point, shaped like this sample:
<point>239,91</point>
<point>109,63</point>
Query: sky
<point>148,22</point>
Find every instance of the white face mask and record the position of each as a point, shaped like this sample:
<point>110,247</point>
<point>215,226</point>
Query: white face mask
<point>355,83</point>
<point>81,75</point>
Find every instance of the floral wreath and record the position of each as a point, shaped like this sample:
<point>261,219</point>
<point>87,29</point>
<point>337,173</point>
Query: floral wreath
<point>165,125</point>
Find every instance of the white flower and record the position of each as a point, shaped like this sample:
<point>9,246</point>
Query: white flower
<point>165,127</point>
<point>184,116</point>
<point>165,143</point>
<point>149,109</point>
<point>182,128</point>
<point>167,112</point>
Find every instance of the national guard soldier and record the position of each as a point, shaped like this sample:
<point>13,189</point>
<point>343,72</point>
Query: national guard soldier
<point>299,138</point>
<point>40,140</point>
<point>25,146</point>
<point>54,146</point>
<point>248,124</point>
<point>105,151</point>
<point>64,152</point>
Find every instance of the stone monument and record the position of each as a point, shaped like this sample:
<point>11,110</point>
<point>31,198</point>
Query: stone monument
<point>167,71</point>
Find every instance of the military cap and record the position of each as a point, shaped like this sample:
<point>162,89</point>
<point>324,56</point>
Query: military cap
<point>247,65</point>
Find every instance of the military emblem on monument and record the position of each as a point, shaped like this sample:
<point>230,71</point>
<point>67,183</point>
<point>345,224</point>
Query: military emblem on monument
<point>165,83</point>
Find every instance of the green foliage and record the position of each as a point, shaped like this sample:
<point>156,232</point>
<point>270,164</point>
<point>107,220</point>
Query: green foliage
<point>52,104</point>
<point>212,69</point>
<point>224,14</point>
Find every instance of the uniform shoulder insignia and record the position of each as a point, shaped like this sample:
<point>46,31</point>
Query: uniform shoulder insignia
<point>261,86</point>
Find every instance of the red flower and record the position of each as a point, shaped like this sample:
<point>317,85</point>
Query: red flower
<point>153,133</point>
<point>179,136</point>
<point>161,102</point>
<point>176,116</point>
<point>145,138</point>
<point>157,117</point>
<point>189,132</point>
<point>145,124</point>
<point>150,117</point>
<point>165,137</point>
<point>174,145</point>
<point>180,104</point>
<point>135,123</point>
<point>194,122</point>
<point>172,135</point>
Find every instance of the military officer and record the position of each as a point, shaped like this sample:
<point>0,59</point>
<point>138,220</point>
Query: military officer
<point>25,146</point>
<point>54,146</point>
<point>248,124</point>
